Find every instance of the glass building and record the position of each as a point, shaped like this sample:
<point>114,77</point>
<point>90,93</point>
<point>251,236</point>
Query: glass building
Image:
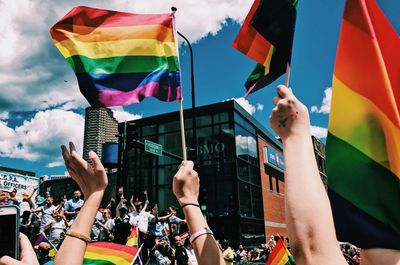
<point>230,163</point>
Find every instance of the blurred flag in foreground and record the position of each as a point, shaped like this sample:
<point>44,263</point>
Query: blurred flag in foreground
<point>120,58</point>
<point>266,37</point>
<point>363,144</point>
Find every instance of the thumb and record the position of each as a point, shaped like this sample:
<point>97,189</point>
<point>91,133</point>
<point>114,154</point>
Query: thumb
<point>6,260</point>
<point>283,91</point>
<point>97,165</point>
<point>27,252</point>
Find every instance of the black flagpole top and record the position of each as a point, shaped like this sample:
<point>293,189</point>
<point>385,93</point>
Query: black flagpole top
<point>173,9</point>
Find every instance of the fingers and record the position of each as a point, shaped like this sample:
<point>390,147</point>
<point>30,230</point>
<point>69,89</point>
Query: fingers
<point>72,147</point>
<point>97,165</point>
<point>186,165</point>
<point>283,91</point>
<point>27,253</point>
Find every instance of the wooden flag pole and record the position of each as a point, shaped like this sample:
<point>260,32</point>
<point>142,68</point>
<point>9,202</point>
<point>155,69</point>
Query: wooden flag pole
<point>287,77</point>
<point>182,129</point>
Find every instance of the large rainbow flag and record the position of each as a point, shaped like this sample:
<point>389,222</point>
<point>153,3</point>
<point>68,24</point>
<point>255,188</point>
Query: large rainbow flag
<point>120,58</point>
<point>363,145</point>
<point>106,253</point>
<point>280,255</point>
<point>266,37</point>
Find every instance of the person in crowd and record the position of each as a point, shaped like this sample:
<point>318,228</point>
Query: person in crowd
<point>174,222</point>
<point>105,232</point>
<point>72,204</point>
<point>97,225</point>
<point>161,253</point>
<point>181,255</point>
<point>12,199</point>
<point>46,212</point>
<point>57,228</point>
<point>239,254</point>
<point>191,254</point>
<point>227,253</point>
<point>121,225</point>
<point>26,224</point>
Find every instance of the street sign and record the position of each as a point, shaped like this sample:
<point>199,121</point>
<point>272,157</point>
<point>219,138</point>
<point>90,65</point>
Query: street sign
<point>152,147</point>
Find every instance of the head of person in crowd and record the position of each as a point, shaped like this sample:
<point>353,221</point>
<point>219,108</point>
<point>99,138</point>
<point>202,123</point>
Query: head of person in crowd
<point>224,244</point>
<point>47,194</point>
<point>49,201</point>
<point>154,209</point>
<point>123,210</point>
<point>77,195</point>
<point>106,214</point>
<point>178,241</point>
<point>13,193</point>
<point>138,205</point>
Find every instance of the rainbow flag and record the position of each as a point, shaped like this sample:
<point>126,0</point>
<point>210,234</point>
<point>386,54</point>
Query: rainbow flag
<point>280,255</point>
<point>106,253</point>
<point>120,58</point>
<point>266,36</point>
<point>43,239</point>
<point>121,190</point>
<point>25,196</point>
<point>363,144</point>
<point>133,239</point>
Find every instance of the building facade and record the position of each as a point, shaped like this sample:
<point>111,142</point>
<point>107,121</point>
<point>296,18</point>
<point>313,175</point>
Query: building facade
<point>100,127</point>
<point>240,166</point>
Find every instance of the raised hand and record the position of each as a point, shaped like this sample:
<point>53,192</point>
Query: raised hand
<point>91,179</point>
<point>186,183</point>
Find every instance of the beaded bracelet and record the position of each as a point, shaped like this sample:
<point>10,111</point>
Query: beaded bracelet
<point>78,235</point>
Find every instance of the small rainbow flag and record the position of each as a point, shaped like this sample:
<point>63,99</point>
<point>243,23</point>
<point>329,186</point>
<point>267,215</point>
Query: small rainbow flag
<point>133,239</point>
<point>120,58</point>
<point>280,255</point>
<point>363,144</point>
<point>121,190</point>
<point>25,196</point>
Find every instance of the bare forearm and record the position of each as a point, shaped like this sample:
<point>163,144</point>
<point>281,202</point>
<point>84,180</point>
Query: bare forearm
<point>308,213</point>
<point>205,247</point>
<point>73,249</point>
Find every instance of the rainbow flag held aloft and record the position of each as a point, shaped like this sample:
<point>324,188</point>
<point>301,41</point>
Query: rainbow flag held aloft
<point>25,196</point>
<point>363,144</point>
<point>280,255</point>
<point>266,37</point>
<point>120,58</point>
<point>133,239</point>
<point>121,190</point>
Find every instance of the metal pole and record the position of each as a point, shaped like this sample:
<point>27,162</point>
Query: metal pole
<point>194,138</point>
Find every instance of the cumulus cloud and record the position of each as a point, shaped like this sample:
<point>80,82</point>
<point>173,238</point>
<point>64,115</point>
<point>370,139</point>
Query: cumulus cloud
<point>246,145</point>
<point>4,116</point>
<point>121,115</point>
<point>250,108</point>
<point>326,103</point>
<point>319,132</point>
<point>39,139</point>
<point>34,76</point>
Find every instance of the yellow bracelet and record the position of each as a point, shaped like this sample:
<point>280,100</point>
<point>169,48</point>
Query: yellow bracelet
<point>84,238</point>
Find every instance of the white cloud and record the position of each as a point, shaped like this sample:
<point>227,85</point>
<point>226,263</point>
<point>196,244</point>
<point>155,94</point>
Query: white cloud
<point>319,132</point>
<point>246,145</point>
<point>248,106</point>
<point>326,103</point>
<point>4,116</point>
<point>121,115</point>
<point>39,139</point>
<point>33,72</point>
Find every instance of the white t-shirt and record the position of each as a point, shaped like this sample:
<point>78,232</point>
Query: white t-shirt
<point>143,220</point>
<point>57,230</point>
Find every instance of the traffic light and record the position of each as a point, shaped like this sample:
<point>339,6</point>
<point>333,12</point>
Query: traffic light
<point>203,200</point>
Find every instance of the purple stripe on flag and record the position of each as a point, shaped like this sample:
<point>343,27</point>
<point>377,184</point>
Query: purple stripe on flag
<point>111,98</point>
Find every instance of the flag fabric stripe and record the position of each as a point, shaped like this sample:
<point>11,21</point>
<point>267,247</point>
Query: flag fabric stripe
<point>367,128</point>
<point>119,57</point>
<point>368,64</point>
<point>250,42</point>
<point>100,34</point>
<point>124,82</point>
<point>122,64</point>
<point>363,144</point>
<point>280,255</point>
<point>351,224</point>
<point>130,47</point>
<point>109,252</point>
<point>380,193</point>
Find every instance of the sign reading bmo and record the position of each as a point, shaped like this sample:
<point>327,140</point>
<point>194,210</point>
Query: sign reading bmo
<point>273,157</point>
<point>22,184</point>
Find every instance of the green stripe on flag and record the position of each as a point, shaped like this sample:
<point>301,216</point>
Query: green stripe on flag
<point>122,64</point>
<point>366,184</point>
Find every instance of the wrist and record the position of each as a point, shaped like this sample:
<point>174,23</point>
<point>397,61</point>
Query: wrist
<point>187,200</point>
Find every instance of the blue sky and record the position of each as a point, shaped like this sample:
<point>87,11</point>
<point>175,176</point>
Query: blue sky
<point>40,103</point>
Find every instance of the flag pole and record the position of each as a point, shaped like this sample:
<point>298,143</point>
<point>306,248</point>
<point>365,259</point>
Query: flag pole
<point>287,76</point>
<point>183,138</point>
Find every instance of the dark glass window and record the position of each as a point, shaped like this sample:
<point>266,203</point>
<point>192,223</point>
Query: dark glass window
<point>243,171</point>
<point>246,145</point>
<point>169,127</point>
<point>221,117</point>
<point>203,120</point>
<point>271,184</point>
<point>149,130</point>
<point>245,199</point>
<point>277,184</point>
<point>256,201</point>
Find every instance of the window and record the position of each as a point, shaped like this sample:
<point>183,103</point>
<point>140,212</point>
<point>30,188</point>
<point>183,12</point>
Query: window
<point>246,145</point>
<point>245,199</point>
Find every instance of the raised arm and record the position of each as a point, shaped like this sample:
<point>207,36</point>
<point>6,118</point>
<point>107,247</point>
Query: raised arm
<point>308,212</point>
<point>92,181</point>
<point>186,189</point>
